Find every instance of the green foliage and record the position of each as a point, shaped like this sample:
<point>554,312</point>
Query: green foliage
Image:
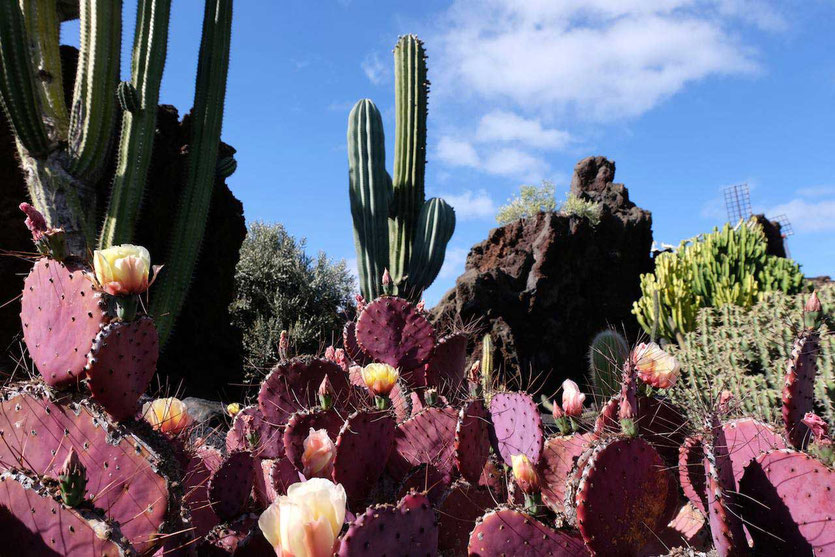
<point>746,350</point>
<point>530,201</point>
<point>577,207</point>
<point>724,267</point>
<point>279,287</point>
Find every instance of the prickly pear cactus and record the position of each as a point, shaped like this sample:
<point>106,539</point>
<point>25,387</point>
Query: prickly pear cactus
<point>510,532</point>
<point>61,314</point>
<point>458,511</point>
<point>624,478</point>
<point>787,498</point>
<point>516,426</point>
<point>559,459</point>
<point>362,451</point>
<point>293,385</point>
<point>231,484</point>
<point>298,428</point>
<point>799,389</point>
<point>122,362</point>
<point>427,438</point>
<point>392,331</point>
<point>125,474</point>
<point>445,369</point>
<point>407,530</point>
<point>41,525</point>
<point>251,432</point>
<point>472,440</point>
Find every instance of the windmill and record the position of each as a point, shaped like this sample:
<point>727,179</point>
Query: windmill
<point>738,205</point>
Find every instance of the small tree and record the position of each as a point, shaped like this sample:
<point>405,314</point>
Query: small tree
<point>530,201</point>
<point>279,287</point>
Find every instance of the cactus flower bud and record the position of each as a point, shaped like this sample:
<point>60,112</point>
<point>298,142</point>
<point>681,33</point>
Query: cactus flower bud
<point>72,479</point>
<point>421,306</point>
<point>283,345</point>
<point>474,374</point>
<point>326,394</point>
<point>380,378</point>
<point>812,312</point>
<point>122,270</point>
<point>431,396</point>
<point>361,303</point>
<point>386,278</point>
<point>34,221</point>
<point>167,415</point>
<point>572,398</point>
<point>725,398</point>
<point>233,408</point>
<point>330,353</point>
<point>557,411</point>
<point>819,428</point>
<point>525,474</point>
<point>318,454</point>
<point>655,367</point>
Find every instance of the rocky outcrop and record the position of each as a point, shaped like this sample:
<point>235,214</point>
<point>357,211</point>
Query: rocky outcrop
<point>544,286</point>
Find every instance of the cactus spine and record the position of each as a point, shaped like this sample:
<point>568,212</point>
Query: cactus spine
<point>139,98</point>
<point>209,94</point>
<point>416,231</point>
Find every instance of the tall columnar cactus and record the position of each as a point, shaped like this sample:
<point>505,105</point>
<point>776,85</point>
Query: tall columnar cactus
<point>395,227</point>
<point>65,151</point>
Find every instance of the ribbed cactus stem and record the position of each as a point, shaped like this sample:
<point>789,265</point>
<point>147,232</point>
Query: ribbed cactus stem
<point>42,28</point>
<point>370,193</point>
<point>435,227</point>
<point>607,354</point>
<point>193,211</point>
<point>487,368</point>
<point>93,113</point>
<point>411,93</point>
<point>138,125</point>
<point>18,92</point>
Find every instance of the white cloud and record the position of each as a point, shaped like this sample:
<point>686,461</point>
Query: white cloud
<point>515,163</point>
<point>455,152</point>
<point>501,125</point>
<point>375,70</point>
<point>453,262</point>
<point>816,191</point>
<point>597,58</point>
<point>807,216</point>
<point>471,205</point>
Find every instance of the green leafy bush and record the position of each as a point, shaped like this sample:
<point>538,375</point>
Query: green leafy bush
<point>530,201</point>
<point>279,287</point>
<point>577,207</point>
<point>730,266</point>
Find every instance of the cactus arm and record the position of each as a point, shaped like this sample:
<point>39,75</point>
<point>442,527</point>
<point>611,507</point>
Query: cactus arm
<point>411,92</point>
<point>435,227</point>
<point>138,122</point>
<point>94,100</point>
<point>207,118</point>
<point>370,193</point>
<point>43,29</point>
<point>18,93</point>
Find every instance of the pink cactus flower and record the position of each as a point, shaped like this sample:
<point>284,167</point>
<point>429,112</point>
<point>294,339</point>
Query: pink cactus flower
<point>318,454</point>
<point>524,473</point>
<point>122,270</point>
<point>34,221</point>
<point>819,428</point>
<point>813,304</point>
<point>572,398</point>
<point>655,366</point>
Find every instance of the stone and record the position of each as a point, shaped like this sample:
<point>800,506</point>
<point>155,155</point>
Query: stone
<point>544,286</point>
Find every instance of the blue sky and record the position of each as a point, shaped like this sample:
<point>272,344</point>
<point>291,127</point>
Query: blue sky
<point>687,96</point>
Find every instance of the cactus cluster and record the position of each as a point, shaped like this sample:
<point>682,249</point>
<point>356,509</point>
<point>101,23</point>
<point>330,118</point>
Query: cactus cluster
<point>395,228</point>
<point>728,266</point>
<point>66,151</point>
<point>389,445</point>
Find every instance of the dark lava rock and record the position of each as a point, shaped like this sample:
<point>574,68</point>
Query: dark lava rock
<point>544,286</point>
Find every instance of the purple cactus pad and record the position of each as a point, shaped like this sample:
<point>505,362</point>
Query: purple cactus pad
<point>121,364</point>
<point>559,458</point>
<point>33,523</point>
<point>625,498</point>
<point>124,474</point>
<point>510,532</point>
<point>61,314</point>
<point>425,479</point>
<point>352,347</point>
<point>429,438</point>
<point>787,497</point>
<point>294,385</point>
<point>231,485</point>
<point>407,530</point>
<point>691,471</point>
<point>472,440</point>
<point>251,432</point>
<point>362,450</point>
<point>196,491</point>
<point>393,331</point>
<point>516,426</point>
<point>447,366</point>
<point>461,506</point>
<point>299,426</point>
